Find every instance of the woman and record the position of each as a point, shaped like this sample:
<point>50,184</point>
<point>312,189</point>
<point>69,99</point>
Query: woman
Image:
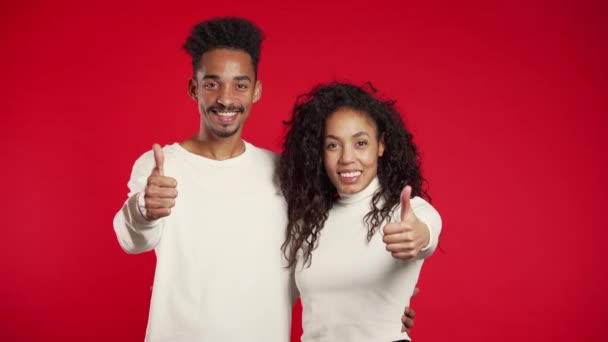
<point>355,235</point>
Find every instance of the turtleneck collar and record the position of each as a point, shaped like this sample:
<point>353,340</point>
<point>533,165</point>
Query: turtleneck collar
<point>368,192</point>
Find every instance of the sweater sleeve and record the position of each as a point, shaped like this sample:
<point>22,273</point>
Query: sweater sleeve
<point>134,232</point>
<point>427,214</point>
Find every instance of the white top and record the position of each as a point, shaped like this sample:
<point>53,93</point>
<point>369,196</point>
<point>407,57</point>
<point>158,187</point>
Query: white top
<point>219,271</point>
<point>354,290</point>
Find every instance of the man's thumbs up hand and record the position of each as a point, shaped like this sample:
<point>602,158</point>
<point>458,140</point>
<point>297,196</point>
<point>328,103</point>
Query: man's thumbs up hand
<point>161,191</point>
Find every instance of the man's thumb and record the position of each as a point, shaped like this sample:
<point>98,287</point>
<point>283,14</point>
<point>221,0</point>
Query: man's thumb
<point>159,159</point>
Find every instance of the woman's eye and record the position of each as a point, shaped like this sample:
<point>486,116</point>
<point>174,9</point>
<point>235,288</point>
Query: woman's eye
<point>362,143</point>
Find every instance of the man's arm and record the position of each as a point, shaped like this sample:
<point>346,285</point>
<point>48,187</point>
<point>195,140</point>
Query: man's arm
<point>139,224</point>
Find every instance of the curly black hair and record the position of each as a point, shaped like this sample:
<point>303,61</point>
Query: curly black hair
<point>304,181</point>
<point>224,33</point>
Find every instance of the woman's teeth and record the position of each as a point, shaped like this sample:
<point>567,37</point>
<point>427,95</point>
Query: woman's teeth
<point>350,174</point>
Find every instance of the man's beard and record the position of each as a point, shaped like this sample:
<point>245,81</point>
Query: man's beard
<point>220,108</point>
<point>223,134</point>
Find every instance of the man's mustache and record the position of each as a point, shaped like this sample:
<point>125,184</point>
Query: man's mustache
<point>220,108</point>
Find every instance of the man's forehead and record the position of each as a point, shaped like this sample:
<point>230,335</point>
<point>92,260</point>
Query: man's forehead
<point>225,60</point>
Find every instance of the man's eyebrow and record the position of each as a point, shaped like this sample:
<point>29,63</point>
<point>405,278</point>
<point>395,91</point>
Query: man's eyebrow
<point>236,78</point>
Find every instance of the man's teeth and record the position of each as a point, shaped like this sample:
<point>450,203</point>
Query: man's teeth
<point>350,174</point>
<point>226,114</point>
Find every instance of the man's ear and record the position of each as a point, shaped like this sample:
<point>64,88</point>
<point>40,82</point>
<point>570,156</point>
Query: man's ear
<point>257,91</point>
<point>192,88</point>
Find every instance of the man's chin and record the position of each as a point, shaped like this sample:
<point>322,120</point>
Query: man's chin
<point>224,133</point>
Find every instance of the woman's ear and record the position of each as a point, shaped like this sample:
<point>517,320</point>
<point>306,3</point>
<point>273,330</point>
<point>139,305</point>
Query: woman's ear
<point>381,146</point>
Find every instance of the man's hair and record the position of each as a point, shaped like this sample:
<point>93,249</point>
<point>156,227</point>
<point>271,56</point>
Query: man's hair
<point>224,33</point>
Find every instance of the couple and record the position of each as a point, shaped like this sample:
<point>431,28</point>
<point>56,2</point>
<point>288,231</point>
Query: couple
<point>214,209</point>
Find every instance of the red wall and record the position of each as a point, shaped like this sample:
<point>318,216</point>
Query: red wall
<point>507,103</point>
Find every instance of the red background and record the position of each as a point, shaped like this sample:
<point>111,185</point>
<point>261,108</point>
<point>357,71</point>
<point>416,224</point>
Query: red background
<point>507,103</point>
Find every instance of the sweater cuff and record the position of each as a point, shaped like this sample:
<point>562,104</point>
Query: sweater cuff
<point>137,208</point>
<point>430,238</point>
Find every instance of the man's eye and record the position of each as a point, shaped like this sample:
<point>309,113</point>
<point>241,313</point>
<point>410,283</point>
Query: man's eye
<point>242,86</point>
<point>211,85</point>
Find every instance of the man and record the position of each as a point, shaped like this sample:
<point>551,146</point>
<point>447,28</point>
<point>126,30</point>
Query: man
<point>219,274</point>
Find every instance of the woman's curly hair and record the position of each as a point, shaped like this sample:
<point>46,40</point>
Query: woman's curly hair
<point>304,181</point>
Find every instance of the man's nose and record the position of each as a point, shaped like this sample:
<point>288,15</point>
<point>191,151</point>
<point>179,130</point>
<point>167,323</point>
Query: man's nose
<point>225,96</point>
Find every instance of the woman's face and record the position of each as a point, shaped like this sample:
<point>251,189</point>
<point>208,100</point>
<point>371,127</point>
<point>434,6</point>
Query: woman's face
<point>351,150</point>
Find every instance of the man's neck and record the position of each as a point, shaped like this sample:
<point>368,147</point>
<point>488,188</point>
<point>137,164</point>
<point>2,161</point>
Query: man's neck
<point>214,147</point>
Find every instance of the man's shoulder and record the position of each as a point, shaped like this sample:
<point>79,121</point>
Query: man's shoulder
<point>263,154</point>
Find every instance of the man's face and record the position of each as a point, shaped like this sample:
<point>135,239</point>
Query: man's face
<point>225,88</point>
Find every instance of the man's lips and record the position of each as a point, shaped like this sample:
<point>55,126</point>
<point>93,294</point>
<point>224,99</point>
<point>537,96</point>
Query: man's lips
<point>226,115</point>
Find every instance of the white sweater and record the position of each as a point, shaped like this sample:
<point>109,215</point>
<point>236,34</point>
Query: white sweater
<point>354,290</point>
<point>219,271</point>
